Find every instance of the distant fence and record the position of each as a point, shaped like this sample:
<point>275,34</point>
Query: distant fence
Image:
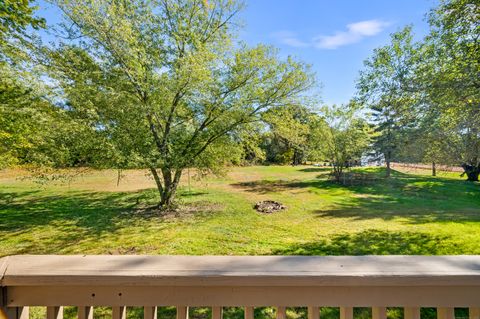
<point>442,168</point>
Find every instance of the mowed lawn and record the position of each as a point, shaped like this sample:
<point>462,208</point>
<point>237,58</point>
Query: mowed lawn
<point>411,213</point>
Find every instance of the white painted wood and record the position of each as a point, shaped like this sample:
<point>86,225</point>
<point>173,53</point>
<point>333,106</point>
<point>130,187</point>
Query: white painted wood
<point>23,312</point>
<point>411,313</point>
<point>217,312</point>
<point>119,312</point>
<point>313,313</point>
<point>243,270</point>
<point>85,312</point>
<point>445,313</point>
<point>346,312</point>
<point>474,312</point>
<point>249,313</point>
<point>182,312</point>
<point>379,313</point>
<point>149,312</point>
<point>281,312</point>
<point>54,312</point>
<point>3,266</point>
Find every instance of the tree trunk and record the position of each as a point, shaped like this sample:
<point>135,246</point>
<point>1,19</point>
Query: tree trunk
<point>297,156</point>
<point>434,169</point>
<point>337,172</point>
<point>170,185</point>
<point>472,172</point>
<point>387,160</point>
<point>157,179</point>
<point>168,189</point>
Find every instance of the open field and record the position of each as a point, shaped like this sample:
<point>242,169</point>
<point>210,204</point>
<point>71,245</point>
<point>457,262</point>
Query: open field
<point>408,214</point>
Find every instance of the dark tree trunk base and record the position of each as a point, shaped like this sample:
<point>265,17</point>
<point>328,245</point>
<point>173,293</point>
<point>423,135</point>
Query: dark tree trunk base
<point>471,171</point>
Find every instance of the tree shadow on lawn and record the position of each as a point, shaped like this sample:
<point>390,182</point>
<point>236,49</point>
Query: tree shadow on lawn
<point>77,216</point>
<point>374,242</point>
<point>94,211</point>
<point>315,169</point>
<point>420,199</point>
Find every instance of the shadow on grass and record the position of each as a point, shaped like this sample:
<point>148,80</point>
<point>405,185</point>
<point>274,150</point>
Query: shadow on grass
<point>419,199</point>
<point>315,169</point>
<point>77,216</point>
<point>372,242</point>
<point>92,210</point>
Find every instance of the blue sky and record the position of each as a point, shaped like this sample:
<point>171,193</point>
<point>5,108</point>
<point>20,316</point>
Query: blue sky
<point>334,36</point>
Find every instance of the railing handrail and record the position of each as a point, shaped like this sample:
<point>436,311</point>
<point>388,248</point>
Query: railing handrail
<point>410,281</point>
<point>24,270</point>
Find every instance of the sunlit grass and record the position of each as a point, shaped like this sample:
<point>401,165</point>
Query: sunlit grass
<point>407,214</point>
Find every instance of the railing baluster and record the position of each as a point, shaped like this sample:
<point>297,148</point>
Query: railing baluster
<point>379,313</point>
<point>313,313</point>
<point>474,313</point>
<point>281,312</point>
<point>85,312</point>
<point>217,312</point>
<point>445,313</point>
<point>182,312</point>
<point>249,313</point>
<point>14,312</point>
<point>119,312</point>
<point>346,312</point>
<point>411,313</point>
<point>55,312</point>
<point>149,312</point>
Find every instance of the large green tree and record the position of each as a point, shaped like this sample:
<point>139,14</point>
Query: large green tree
<point>294,134</point>
<point>385,89</point>
<point>22,109</point>
<point>346,139</point>
<point>167,82</point>
<point>449,76</point>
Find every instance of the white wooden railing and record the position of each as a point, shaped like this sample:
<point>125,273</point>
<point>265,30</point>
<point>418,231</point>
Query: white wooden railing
<point>411,282</point>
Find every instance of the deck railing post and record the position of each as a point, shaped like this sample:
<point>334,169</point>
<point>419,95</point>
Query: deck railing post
<point>313,313</point>
<point>149,312</point>
<point>119,312</point>
<point>85,312</point>
<point>474,313</point>
<point>217,312</point>
<point>249,313</point>
<point>445,313</point>
<point>379,313</point>
<point>281,312</point>
<point>411,313</point>
<point>346,312</point>
<point>182,312</point>
<point>55,312</point>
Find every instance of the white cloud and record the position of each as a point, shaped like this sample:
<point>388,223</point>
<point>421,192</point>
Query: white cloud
<point>355,33</point>
<point>290,39</point>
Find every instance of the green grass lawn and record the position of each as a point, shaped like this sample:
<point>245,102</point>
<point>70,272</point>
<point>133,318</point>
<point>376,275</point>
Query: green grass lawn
<point>410,213</point>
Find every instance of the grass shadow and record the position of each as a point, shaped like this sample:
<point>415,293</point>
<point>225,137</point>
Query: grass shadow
<point>372,242</point>
<point>418,198</point>
<point>38,222</point>
<point>315,169</point>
